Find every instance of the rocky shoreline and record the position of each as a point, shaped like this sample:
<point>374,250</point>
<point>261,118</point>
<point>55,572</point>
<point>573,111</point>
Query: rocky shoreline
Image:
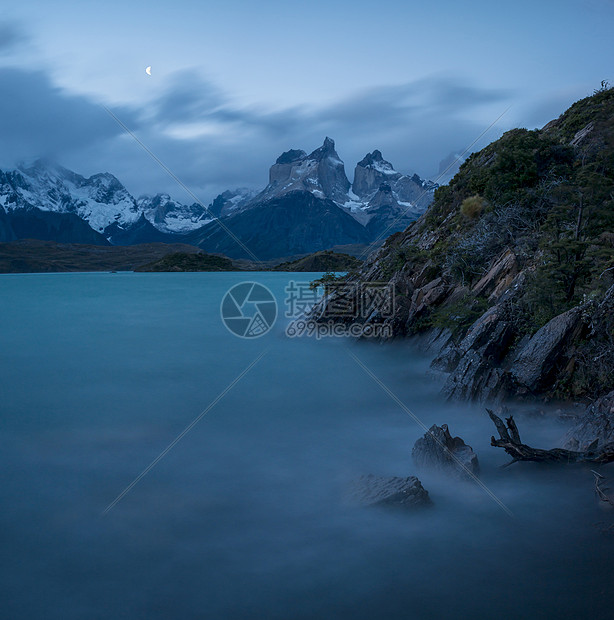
<point>507,281</point>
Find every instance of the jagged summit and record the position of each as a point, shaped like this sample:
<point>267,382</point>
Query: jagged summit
<point>291,156</point>
<point>231,202</point>
<point>373,170</point>
<point>372,159</point>
<point>100,200</point>
<point>326,150</point>
<point>321,173</point>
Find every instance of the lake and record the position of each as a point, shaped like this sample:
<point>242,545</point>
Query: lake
<point>246,516</point>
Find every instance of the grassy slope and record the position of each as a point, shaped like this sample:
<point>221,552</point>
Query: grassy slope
<point>545,195</point>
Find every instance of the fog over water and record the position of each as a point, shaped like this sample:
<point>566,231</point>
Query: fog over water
<point>247,517</point>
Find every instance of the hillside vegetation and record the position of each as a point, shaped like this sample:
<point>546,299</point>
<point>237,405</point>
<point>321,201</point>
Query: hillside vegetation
<point>516,251</point>
<point>35,256</point>
<point>321,261</point>
<point>184,261</point>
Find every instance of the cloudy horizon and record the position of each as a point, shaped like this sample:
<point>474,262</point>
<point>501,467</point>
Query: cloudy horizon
<point>263,89</point>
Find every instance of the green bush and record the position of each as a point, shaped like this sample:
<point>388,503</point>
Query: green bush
<point>472,207</point>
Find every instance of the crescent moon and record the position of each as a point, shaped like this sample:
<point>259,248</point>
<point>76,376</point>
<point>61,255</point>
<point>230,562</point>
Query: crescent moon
<point>148,70</point>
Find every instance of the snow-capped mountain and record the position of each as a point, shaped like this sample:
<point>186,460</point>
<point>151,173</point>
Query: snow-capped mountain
<point>170,216</point>
<point>231,202</point>
<point>100,200</point>
<point>373,170</point>
<point>307,205</point>
<point>321,173</point>
<point>310,205</point>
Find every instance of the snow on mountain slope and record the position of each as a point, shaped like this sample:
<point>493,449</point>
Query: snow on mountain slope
<point>231,202</point>
<point>373,170</point>
<point>100,200</point>
<point>173,217</point>
<point>321,173</point>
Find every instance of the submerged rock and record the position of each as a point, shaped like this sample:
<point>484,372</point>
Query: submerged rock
<point>407,492</point>
<point>439,450</point>
<point>597,425</point>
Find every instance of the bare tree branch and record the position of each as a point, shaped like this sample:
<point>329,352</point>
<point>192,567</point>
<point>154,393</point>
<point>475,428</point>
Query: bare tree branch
<point>509,440</point>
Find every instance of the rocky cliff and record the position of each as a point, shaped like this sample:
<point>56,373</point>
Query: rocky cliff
<point>508,278</point>
<point>321,172</point>
<point>373,171</point>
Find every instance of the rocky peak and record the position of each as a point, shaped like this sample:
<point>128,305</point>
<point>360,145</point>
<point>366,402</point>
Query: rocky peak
<point>326,150</point>
<point>231,202</point>
<point>371,172</point>
<point>373,159</point>
<point>321,172</point>
<point>291,156</point>
<point>369,158</point>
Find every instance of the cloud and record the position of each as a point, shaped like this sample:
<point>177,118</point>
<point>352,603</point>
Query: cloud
<point>11,36</point>
<point>38,119</point>
<point>415,124</point>
<point>213,143</point>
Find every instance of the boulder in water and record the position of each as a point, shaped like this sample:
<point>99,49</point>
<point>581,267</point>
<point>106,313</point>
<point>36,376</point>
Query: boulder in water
<point>597,425</point>
<point>439,450</point>
<point>393,491</point>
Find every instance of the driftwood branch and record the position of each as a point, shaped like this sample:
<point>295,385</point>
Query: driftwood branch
<point>509,440</point>
<point>602,491</point>
<point>605,499</point>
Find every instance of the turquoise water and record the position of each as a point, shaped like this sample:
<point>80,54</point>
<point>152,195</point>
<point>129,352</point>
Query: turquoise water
<point>246,516</point>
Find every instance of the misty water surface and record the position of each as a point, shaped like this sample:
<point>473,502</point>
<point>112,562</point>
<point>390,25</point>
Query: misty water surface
<point>246,516</point>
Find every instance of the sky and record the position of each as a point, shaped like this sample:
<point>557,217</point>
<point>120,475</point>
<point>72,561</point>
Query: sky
<point>234,84</point>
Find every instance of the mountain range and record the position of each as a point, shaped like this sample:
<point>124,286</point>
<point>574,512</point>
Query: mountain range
<point>308,205</point>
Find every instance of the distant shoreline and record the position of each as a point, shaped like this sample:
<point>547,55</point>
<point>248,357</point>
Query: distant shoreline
<point>38,256</point>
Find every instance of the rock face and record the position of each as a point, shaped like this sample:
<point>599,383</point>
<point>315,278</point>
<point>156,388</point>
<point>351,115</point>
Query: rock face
<point>438,450</point>
<point>373,171</point>
<point>499,277</point>
<point>393,491</point>
<point>597,424</point>
<point>321,172</point>
<point>538,358</point>
<point>378,211</point>
<point>230,202</point>
<point>173,217</point>
<point>384,214</point>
